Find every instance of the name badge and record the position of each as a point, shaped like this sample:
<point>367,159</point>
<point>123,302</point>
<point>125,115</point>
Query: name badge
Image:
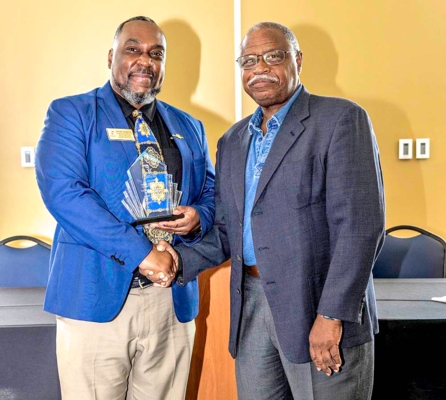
<point>120,134</point>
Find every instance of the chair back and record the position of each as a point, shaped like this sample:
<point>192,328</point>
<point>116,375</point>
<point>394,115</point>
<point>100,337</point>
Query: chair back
<point>420,256</point>
<point>24,266</point>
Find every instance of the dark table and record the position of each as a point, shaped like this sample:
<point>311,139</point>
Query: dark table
<point>410,347</point>
<point>28,368</point>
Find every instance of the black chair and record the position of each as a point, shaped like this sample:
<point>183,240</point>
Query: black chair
<point>420,256</point>
<point>28,366</point>
<point>24,266</point>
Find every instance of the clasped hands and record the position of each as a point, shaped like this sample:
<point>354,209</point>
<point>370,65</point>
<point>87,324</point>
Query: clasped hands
<point>161,264</point>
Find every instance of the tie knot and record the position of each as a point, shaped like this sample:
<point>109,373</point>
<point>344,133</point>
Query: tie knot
<point>136,114</point>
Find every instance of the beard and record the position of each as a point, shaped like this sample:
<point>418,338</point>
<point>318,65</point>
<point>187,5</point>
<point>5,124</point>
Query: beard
<point>135,97</point>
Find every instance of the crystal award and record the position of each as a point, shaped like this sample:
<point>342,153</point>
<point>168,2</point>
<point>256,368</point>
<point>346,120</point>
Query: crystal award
<point>150,195</point>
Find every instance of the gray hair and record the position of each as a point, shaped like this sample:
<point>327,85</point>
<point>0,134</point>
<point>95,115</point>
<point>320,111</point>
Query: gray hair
<point>139,18</point>
<point>289,35</point>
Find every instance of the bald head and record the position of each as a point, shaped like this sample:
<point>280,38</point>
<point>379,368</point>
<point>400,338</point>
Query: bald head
<point>138,18</point>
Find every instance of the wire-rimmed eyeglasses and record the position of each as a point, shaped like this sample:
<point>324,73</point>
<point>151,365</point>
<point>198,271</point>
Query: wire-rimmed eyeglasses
<point>273,57</point>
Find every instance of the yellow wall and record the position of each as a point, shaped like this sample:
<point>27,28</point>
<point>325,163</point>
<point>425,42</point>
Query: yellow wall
<point>387,55</point>
<point>51,49</point>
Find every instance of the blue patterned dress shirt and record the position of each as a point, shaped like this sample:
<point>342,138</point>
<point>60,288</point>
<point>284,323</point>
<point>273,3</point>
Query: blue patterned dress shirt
<point>258,152</point>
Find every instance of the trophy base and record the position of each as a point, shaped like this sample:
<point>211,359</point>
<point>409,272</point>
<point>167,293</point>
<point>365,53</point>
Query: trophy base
<point>151,220</point>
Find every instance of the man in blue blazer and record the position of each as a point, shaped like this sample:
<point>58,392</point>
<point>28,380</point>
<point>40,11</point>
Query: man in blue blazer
<point>115,320</point>
<point>300,210</point>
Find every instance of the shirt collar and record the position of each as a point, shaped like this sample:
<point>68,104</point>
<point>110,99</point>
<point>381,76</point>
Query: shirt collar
<point>148,109</point>
<point>277,118</point>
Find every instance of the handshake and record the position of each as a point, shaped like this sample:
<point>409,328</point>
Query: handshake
<point>160,265</point>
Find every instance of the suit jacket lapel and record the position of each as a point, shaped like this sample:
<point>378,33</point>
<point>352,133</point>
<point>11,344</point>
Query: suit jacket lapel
<point>110,107</point>
<point>239,155</point>
<point>292,127</point>
<point>181,137</point>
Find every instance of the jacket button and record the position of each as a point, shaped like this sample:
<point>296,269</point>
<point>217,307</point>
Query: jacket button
<point>238,291</point>
<point>113,257</point>
<point>121,262</point>
<point>239,258</point>
<point>240,223</point>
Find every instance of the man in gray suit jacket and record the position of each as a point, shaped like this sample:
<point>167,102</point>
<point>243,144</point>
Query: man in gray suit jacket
<point>300,210</point>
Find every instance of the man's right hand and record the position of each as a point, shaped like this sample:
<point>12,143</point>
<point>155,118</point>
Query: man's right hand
<point>159,266</point>
<point>167,247</point>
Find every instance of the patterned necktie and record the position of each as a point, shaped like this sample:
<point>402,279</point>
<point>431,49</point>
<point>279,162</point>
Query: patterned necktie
<point>146,140</point>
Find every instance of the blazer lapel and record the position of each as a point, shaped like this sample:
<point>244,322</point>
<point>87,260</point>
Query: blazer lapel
<point>110,107</point>
<point>181,137</point>
<point>292,127</point>
<point>239,155</point>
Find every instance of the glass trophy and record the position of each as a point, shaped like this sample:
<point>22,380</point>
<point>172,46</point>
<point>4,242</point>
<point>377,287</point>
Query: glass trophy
<point>150,195</point>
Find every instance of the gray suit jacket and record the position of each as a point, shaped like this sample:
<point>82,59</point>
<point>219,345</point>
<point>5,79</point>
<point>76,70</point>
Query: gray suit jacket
<point>317,222</point>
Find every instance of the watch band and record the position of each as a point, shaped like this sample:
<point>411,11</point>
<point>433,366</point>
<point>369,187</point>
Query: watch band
<point>329,318</point>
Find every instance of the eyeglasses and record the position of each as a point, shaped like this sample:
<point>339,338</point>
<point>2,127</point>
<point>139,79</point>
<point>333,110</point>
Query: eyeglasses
<point>273,57</point>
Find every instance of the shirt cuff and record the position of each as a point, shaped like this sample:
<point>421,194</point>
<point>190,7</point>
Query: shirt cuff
<point>179,277</point>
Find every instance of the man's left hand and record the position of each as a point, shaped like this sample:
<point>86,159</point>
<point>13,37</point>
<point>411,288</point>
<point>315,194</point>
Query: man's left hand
<point>325,337</point>
<point>183,226</point>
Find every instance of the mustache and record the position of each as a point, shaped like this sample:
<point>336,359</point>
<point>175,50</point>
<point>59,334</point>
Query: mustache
<point>145,71</point>
<point>256,78</point>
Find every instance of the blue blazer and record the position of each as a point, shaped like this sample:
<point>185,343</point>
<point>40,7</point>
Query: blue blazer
<point>81,175</point>
<point>317,222</point>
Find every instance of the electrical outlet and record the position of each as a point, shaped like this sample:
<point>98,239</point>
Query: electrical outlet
<point>423,148</point>
<point>27,156</point>
<point>405,149</point>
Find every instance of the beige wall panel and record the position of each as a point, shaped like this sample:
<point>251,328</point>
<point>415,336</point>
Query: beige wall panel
<point>387,55</point>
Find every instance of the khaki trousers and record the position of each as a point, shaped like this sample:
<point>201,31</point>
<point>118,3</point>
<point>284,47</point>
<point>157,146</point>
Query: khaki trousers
<point>143,354</point>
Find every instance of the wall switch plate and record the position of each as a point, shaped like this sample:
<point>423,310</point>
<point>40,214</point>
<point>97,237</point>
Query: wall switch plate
<point>27,156</point>
<point>405,149</point>
<point>423,148</point>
